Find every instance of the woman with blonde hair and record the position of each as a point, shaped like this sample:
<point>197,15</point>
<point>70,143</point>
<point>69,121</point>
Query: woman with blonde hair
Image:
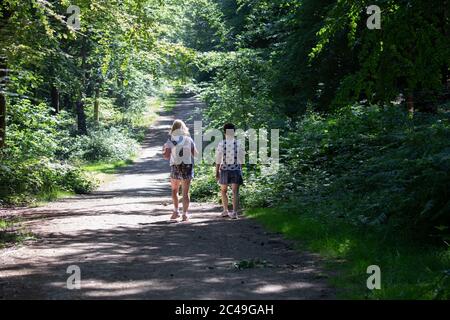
<point>180,150</point>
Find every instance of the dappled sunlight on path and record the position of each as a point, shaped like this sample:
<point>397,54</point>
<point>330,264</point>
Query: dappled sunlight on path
<point>126,247</point>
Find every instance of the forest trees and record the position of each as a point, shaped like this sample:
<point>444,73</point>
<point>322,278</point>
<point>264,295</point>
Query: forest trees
<point>53,62</point>
<point>75,95</point>
<point>410,55</point>
<point>324,56</point>
<point>337,90</point>
<point>311,68</point>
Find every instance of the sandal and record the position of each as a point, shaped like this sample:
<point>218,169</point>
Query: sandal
<point>233,215</point>
<point>175,215</point>
<point>224,214</point>
<point>185,217</point>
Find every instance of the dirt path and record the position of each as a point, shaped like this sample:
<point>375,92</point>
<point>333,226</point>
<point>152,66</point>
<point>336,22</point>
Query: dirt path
<point>121,239</point>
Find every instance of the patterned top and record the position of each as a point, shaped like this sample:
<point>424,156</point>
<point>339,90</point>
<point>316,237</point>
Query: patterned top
<point>230,155</point>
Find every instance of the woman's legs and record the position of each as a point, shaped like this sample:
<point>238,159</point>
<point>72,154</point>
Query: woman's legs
<point>175,184</point>
<point>224,193</point>
<point>186,199</point>
<point>235,189</point>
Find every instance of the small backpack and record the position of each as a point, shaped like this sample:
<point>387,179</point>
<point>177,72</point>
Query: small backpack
<point>168,151</point>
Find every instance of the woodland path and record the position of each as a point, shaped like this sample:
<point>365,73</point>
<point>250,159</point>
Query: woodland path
<point>126,248</point>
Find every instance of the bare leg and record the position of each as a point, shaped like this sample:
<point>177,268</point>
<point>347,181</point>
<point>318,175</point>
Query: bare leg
<point>235,189</point>
<point>186,199</point>
<point>224,193</point>
<point>175,184</point>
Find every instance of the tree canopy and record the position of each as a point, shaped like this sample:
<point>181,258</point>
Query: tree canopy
<point>362,109</point>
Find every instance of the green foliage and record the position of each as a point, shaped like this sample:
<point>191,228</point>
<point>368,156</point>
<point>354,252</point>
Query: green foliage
<point>397,163</point>
<point>32,131</point>
<point>250,264</point>
<point>351,170</point>
<point>107,167</point>
<point>203,27</point>
<point>204,186</point>
<point>321,54</point>
<point>21,182</point>
<point>377,167</point>
<point>121,55</point>
<point>410,55</point>
<point>239,91</point>
<point>106,144</point>
<point>29,164</point>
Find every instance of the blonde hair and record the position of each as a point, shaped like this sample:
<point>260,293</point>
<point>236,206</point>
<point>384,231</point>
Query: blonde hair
<point>179,127</point>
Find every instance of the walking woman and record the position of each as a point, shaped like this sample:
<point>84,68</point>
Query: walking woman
<point>180,150</point>
<point>230,155</point>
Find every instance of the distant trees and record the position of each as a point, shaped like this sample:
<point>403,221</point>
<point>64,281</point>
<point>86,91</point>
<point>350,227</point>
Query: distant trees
<point>77,93</point>
<point>324,56</point>
<point>51,61</point>
<point>315,54</point>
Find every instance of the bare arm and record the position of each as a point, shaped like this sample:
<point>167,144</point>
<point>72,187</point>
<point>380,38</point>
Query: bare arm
<point>217,171</point>
<point>194,150</point>
<point>219,156</point>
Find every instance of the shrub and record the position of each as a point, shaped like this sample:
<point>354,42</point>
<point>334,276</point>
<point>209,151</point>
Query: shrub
<point>204,186</point>
<point>105,144</point>
<point>20,182</point>
<point>373,166</point>
<point>32,131</point>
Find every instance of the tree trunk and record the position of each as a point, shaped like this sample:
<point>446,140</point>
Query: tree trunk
<point>96,106</point>
<point>55,100</point>
<point>3,75</point>
<point>79,105</point>
<point>2,120</point>
<point>81,118</point>
<point>4,17</point>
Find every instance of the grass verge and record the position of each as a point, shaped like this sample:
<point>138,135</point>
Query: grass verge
<point>48,196</point>
<point>107,167</point>
<point>169,98</point>
<point>11,234</point>
<point>408,270</point>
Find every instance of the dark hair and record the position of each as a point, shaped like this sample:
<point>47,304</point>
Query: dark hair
<point>229,126</point>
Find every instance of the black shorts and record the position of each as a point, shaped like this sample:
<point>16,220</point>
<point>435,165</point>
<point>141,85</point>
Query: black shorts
<point>231,177</point>
<point>182,172</point>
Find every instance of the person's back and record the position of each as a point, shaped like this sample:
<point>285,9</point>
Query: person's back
<point>230,156</point>
<point>180,150</point>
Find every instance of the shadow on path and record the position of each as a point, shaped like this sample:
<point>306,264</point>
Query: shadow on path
<point>126,247</point>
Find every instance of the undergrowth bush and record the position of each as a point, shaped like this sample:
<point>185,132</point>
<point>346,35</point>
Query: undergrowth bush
<point>105,144</point>
<point>374,166</point>
<point>35,162</point>
<point>204,186</point>
<point>21,182</point>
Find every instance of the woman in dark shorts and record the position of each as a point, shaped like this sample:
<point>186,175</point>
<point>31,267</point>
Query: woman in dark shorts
<point>230,156</point>
<point>182,151</point>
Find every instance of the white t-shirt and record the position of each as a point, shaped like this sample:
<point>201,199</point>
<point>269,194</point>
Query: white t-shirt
<point>182,149</point>
<point>235,155</point>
